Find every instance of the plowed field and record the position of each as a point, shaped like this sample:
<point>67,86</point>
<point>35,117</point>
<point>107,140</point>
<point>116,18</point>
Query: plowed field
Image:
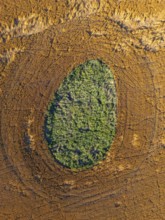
<point>41,42</point>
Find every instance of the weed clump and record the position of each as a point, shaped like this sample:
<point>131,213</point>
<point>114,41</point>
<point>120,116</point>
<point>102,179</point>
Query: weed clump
<point>81,119</point>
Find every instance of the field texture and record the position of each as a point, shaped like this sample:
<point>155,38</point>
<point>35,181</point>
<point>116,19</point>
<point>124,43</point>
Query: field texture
<point>41,44</point>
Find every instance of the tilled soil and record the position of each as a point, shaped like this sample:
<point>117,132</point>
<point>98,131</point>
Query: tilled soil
<point>40,43</point>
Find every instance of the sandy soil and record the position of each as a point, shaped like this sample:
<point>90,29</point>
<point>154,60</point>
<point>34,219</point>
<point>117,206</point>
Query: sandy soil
<point>40,43</point>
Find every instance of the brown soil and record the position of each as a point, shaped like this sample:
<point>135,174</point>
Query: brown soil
<point>40,43</point>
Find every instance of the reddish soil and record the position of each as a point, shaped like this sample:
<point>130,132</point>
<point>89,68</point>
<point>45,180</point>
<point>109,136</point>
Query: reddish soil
<point>40,43</point>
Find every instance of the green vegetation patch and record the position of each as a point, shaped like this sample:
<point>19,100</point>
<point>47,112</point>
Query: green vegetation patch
<point>80,122</point>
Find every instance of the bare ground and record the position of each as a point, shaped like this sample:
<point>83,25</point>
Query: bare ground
<point>40,43</point>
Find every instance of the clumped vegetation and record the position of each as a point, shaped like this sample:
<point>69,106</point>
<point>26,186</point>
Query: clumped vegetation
<point>80,121</point>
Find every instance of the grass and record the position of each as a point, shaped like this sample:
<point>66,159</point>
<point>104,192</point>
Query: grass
<point>81,119</point>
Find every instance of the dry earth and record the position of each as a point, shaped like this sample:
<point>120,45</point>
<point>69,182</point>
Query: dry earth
<point>40,43</point>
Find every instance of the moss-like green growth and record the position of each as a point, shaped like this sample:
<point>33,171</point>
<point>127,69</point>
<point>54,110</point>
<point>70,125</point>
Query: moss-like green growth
<point>80,122</point>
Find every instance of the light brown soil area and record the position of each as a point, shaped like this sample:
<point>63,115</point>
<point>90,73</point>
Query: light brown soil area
<point>40,43</point>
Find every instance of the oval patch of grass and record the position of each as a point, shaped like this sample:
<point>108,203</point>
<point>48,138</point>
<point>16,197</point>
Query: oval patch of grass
<point>81,118</point>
